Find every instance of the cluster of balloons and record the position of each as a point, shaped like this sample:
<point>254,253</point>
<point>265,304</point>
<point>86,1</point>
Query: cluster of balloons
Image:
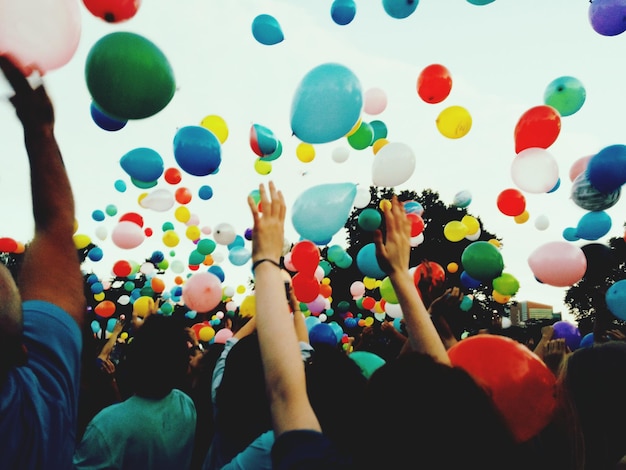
<point>456,230</point>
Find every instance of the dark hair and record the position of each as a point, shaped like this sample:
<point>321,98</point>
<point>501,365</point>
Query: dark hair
<point>158,357</point>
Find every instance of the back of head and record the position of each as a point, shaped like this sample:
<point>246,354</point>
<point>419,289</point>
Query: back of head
<point>438,415</point>
<point>158,357</point>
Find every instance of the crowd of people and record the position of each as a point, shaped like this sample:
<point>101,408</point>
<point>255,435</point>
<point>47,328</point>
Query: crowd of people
<point>269,396</point>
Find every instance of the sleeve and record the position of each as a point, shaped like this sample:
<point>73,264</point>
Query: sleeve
<point>304,449</point>
<point>93,451</point>
<point>220,364</point>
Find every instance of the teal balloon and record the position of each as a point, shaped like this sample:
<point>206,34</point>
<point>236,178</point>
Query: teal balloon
<point>262,140</point>
<point>482,261</point>
<point>369,219</point>
<point>321,211</point>
<point>197,151</point>
<point>266,30</point>
<point>275,154</point>
<point>143,184</point>
<point>565,94</point>
<point>120,186</point>
<point>367,361</point>
<point>343,11</point>
<point>344,262</point>
<point>616,299</point>
<point>336,327</point>
<point>368,264</point>
<point>570,234</point>
<point>400,9</point>
<point>380,130</point>
<point>128,76</point>
<point>593,225</point>
<point>196,258</point>
<point>480,2</point>
<point>327,104</point>
<point>143,164</point>
<point>239,255</point>
<point>334,253</point>
<point>311,321</point>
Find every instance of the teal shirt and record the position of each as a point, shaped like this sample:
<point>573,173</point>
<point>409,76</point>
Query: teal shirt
<point>140,433</point>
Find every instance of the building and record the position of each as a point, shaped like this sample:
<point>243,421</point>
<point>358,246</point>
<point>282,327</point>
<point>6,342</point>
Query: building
<point>522,312</point>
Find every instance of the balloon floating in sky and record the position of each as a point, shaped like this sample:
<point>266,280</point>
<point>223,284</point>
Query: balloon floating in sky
<point>267,30</point>
<point>462,199</point>
<point>565,94</point>
<point>40,35</point>
<point>321,211</point>
<point>616,299</point>
<point>511,202</point>
<point>537,127</point>
<point>202,292</point>
<point>579,166</point>
<point>606,170</point>
<point>400,9</point>
<point>454,122</point>
<point>327,104</point>
<point>143,164</point>
<point>197,151</point>
<point>128,76</point>
<point>217,125</point>
<point>105,121</point>
<point>608,17</point>
<point>535,170</point>
<point>262,140</point>
<point>480,2</point>
<point>434,83</point>
<point>393,165</point>
<point>587,197</point>
<point>558,263</point>
<point>593,225</point>
<point>113,11</point>
<point>482,261</point>
<point>375,101</point>
<point>343,11</point>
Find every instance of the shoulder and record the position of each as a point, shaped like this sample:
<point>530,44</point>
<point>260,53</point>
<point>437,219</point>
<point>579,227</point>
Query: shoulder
<point>307,449</point>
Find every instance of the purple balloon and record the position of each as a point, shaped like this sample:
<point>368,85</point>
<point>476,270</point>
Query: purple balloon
<point>569,332</point>
<point>608,17</point>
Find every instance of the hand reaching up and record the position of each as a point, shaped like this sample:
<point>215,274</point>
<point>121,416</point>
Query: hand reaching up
<point>268,230</point>
<point>393,252</point>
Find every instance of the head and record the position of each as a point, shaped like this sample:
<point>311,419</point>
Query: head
<point>11,349</point>
<point>158,357</point>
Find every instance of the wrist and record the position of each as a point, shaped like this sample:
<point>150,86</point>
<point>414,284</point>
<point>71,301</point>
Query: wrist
<point>267,261</point>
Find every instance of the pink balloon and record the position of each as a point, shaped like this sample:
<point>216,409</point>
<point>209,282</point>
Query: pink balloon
<point>127,235</point>
<point>375,101</point>
<point>39,35</point>
<point>222,335</point>
<point>558,263</point>
<point>578,167</point>
<point>202,292</point>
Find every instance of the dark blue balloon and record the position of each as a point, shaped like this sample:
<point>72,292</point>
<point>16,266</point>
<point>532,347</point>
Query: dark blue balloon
<point>606,170</point>
<point>205,192</point>
<point>104,121</point>
<point>586,341</point>
<point>197,151</point>
<point>322,333</point>
<point>219,272</point>
<point>400,8</point>
<point>343,11</point>
<point>469,282</point>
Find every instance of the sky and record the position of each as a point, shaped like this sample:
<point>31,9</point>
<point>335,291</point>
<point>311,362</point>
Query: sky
<point>501,58</point>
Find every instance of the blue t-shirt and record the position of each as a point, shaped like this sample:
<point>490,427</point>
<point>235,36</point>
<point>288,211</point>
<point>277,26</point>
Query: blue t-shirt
<point>39,400</point>
<point>304,449</point>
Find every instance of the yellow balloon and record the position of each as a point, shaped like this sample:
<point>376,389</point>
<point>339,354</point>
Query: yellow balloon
<point>144,306</point>
<point>170,238</point>
<point>384,204</point>
<point>378,308</point>
<point>124,336</point>
<point>471,223</point>
<point>81,241</point>
<point>217,125</point>
<point>369,283</point>
<point>262,167</point>
<point>75,226</point>
<point>248,306</point>
<point>206,334</point>
<point>193,232</point>
<point>378,144</point>
<point>182,214</point>
<point>305,152</point>
<point>495,242</point>
<point>141,197</point>
<point>99,296</point>
<point>241,289</point>
<point>454,122</point>
<point>354,128</point>
<point>452,267</point>
<point>500,298</point>
<point>369,321</point>
<point>455,231</point>
<point>522,218</point>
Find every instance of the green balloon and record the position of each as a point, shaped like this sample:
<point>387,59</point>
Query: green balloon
<point>369,219</point>
<point>363,137</point>
<point>368,362</point>
<point>506,284</point>
<point>128,76</point>
<point>566,94</point>
<point>483,261</point>
<point>387,291</point>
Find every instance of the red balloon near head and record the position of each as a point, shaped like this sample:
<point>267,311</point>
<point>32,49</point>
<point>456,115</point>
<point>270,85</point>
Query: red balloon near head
<point>511,202</point>
<point>519,383</point>
<point>305,257</point>
<point>306,288</point>
<point>434,83</point>
<point>538,127</point>
<point>113,11</point>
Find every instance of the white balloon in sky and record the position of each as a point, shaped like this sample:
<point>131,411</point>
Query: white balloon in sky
<point>535,170</point>
<point>224,234</point>
<point>393,165</point>
<point>363,197</point>
<point>542,222</point>
<point>340,154</point>
<point>159,200</point>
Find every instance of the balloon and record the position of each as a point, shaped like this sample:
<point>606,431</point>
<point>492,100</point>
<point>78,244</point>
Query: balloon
<point>262,140</point>
<point>570,234</point>
<point>511,202</point>
<point>387,292</point>
<point>143,164</point>
<point>321,211</point>
<point>172,176</point>
<point>455,231</point>
<point>367,361</point>
<point>587,197</point>
<point>221,336</point>
<point>542,222</point>
<point>535,170</point>
<point>128,76</point>
<point>606,170</point>
<point>616,299</point>
<point>113,11</point>
<point>326,105</point>
<point>565,94</point>
<point>202,292</point>
<point>400,9</point>
<point>480,2</point>
<point>205,192</point>
<point>367,262</point>
<point>462,199</point>
<point>159,200</point>
<point>197,151</point>
<point>375,101</point>
<point>454,122</point>
<point>322,333</point>
<point>558,263</point>
<point>8,245</point>
<point>469,282</point>
<point>482,261</point>
<point>127,235</point>
<point>607,17</point>
<point>393,165</point>
<point>39,35</point>
<point>593,225</point>
<point>217,125</point>
<point>362,137</point>
<point>340,154</point>
<point>238,256</point>
<point>434,83</point>
<point>305,152</point>
<point>506,284</point>
<point>586,341</point>
<point>306,288</point>
<point>305,257</point>
<point>369,219</point>
<point>567,331</point>
<point>578,167</point>
<point>105,121</point>
<point>105,309</point>
<point>537,127</point>
<point>600,261</point>
<point>266,30</point>
<point>224,234</point>
<point>343,11</point>
<point>511,373</point>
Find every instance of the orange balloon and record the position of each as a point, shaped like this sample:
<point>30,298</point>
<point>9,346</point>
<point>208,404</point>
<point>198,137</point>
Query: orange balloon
<point>538,127</point>
<point>157,284</point>
<point>434,83</point>
<point>105,309</point>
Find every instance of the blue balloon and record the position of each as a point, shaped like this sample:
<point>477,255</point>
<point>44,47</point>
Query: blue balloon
<point>275,154</point>
<point>567,331</point>
<point>593,225</point>
<point>262,140</point>
<point>400,8</point>
<point>237,242</point>
<point>343,11</point>
<point>143,164</point>
<point>219,272</point>
<point>468,281</point>
<point>311,321</point>
<point>336,327</point>
<point>327,104</point>
<point>95,254</point>
<point>239,255</point>
<point>480,2</point>
<point>98,215</point>
<point>570,234</point>
<point>266,30</point>
<point>92,278</point>
<point>197,151</point>
<point>586,341</point>
<point>556,186</point>
<point>606,170</point>
<point>111,324</point>
<point>322,333</point>
<point>368,264</point>
<point>104,121</point>
<point>120,186</point>
<point>321,211</point>
<point>616,299</point>
<point>95,327</point>
<point>205,192</point>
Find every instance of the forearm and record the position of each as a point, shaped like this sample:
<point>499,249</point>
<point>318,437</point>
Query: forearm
<point>108,346</point>
<point>302,332</point>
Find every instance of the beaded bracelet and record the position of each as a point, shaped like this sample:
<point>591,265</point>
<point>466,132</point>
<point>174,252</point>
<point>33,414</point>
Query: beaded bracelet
<point>259,261</point>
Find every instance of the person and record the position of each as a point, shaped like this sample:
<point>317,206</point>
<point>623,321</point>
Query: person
<point>155,427</point>
<point>41,315</point>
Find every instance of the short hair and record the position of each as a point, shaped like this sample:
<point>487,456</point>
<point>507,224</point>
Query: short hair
<point>158,357</point>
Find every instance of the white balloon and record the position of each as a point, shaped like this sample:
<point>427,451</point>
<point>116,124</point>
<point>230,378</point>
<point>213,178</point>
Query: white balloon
<point>417,240</point>
<point>542,222</point>
<point>535,170</point>
<point>177,266</point>
<point>159,200</point>
<point>393,310</point>
<point>506,322</point>
<point>474,236</point>
<point>224,234</point>
<point>393,165</point>
<point>340,154</point>
<point>102,232</point>
<point>363,197</point>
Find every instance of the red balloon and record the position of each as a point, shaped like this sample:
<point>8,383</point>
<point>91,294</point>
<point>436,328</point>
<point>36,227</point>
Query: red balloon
<point>306,288</point>
<point>172,175</point>
<point>417,224</point>
<point>105,309</point>
<point>431,272</point>
<point>305,257</point>
<point>434,83</point>
<point>182,195</point>
<point>511,202</point>
<point>113,11</point>
<point>538,127</point>
<point>132,217</point>
<point>519,383</point>
<point>368,302</point>
<point>8,245</point>
<point>122,268</point>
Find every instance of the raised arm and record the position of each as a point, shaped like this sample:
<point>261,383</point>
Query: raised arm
<point>51,267</point>
<point>393,254</point>
<point>282,362</point>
